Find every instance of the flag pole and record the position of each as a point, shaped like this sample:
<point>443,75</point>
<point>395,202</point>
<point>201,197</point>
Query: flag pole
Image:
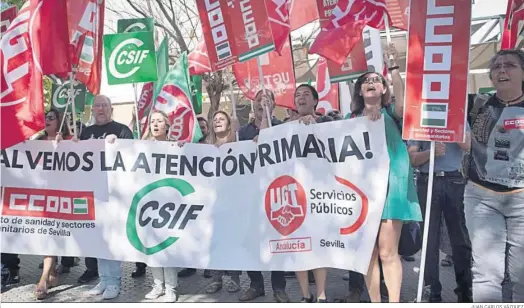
<point>136,112</point>
<point>261,76</point>
<point>426,223</point>
<point>233,100</point>
<point>388,36</point>
<point>72,98</point>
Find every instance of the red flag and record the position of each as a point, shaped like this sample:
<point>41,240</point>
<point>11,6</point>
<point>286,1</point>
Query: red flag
<point>354,65</point>
<point>144,103</point>
<point>21,99</point>
<point>49,24</point>
<point>279,76</point>
<point>399,12</point>
<point>87,17</point>
<point>278,14</point>
<point>6,18</point>
<point>327,92</point>
<point>514,13</point>
<point>234,30</point>
<point>303,13</point>
<point>342,24</point>
<point>199,60</point>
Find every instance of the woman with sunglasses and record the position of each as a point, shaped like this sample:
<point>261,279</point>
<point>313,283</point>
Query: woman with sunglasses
<point>372,98</point>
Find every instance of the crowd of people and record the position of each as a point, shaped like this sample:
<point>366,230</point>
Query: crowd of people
<point>478,191</point>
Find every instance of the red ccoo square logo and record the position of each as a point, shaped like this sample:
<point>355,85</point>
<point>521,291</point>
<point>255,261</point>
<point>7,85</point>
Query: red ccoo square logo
<point>47,203</point>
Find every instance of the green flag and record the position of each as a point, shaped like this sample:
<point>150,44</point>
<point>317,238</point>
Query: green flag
<point>135,25</point>
<point>89,98</point>
<point>196,93</point>
<point>162,64</point>
<point>60,92</point>
<point>174,98</point>
<point>130,57</point>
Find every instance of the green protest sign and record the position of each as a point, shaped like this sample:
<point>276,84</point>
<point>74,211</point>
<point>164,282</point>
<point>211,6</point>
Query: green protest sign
<point>60,92</point>
<point>135,25</point>
<point>130,57</point>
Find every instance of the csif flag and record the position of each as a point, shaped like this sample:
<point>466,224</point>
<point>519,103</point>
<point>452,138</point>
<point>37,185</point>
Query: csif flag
<point>327,91</point>
<point>342,24</point>
<point>21,99</point>
<point>513,25</point>
<point>279,76</point>
<point>174,98</point>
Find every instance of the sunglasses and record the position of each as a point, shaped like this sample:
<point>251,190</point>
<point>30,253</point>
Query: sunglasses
<point>50,117</point>
<point>375,79</point>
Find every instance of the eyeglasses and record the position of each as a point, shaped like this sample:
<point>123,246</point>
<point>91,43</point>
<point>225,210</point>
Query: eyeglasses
<point>101,106</point>
<point>375,79</point>
<point>50,117</point>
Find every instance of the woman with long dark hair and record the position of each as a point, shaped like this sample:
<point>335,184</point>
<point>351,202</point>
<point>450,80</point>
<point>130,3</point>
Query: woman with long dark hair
<point>372,98</point>
<point>49,277</point>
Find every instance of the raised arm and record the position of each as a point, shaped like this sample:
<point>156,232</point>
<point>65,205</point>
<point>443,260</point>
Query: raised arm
<point>396,79</point>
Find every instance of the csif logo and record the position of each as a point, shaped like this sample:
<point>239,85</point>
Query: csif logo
<point>154,215</point>
<point>130,57</point>
<point>126,58</point>
<point>61,93</point>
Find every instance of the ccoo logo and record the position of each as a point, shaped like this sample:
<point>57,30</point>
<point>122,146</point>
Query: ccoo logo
<point>176,104</point>
<point>153,215</point>
<point>285,204</point>
<point>126,58</point>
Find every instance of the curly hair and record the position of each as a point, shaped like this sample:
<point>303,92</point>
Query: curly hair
<point>519,53</point>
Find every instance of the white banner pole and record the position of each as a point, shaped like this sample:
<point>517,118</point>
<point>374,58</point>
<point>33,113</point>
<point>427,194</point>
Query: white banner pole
<point>261,76</point>
<point>233,100</point>
<point>426,223</point>
<point>72,98</point>
<point>137,121</point>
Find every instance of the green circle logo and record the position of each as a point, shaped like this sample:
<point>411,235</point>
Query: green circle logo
<point>183,187</point>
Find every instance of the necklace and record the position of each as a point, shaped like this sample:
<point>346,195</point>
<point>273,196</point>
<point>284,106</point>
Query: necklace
<point>507,103</point>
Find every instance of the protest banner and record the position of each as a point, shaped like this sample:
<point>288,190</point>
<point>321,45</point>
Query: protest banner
<point>303,197</point>
<point>437,65</point>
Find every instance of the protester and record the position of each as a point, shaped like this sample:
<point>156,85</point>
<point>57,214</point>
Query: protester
<point>164,278</point>
<point>306,101</point>
<point>223,131</point>
<point>10,270</point>
<point>447,205</point>
<point>250,131</point>
<point>49,277</point>
<point>494,194</point>
<point>372,98</point>
<point>186,272</point>
<point>104,128</point>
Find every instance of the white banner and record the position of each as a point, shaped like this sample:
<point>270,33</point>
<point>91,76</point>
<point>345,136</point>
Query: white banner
<point>303,197</point>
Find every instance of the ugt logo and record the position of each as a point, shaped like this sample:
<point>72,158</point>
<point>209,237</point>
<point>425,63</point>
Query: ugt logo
<point>151,217</point>
<point>176,104</point>
<point>285,204</point>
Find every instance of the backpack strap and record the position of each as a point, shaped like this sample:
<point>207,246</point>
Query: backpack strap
<point>479,102</point>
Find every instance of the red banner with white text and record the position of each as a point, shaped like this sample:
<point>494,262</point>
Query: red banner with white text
<point>279,76</point>
<point>21,99</point>
<point>234,30</point>
<point>6,17</point>
<point>354,66</point>
<point>437,65</point>
<point>303,12</point>
<point>513,24</point>
<point>278,13</point>
<point>87,17</point>
<point>399,12</point>
<point>327,91</point>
